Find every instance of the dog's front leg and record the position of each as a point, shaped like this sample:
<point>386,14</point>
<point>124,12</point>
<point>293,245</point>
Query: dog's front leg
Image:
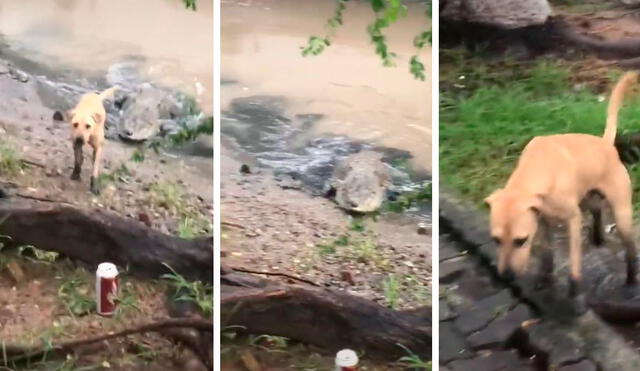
<point>545,275</point>
<point>575,257</point>
<point>97,153</point>
<point>78,159</point>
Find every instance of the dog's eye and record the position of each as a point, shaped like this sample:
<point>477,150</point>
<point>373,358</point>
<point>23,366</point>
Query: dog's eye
<point>88,126</point>
<point>75,124</point>
<point>496,240</point>
<point>519,242</point>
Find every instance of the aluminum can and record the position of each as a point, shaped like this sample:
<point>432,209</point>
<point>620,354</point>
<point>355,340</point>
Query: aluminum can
<point>346,360</point>
<point>106,289</point>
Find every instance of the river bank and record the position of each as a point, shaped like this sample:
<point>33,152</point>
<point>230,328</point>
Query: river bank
<point>47,297</point>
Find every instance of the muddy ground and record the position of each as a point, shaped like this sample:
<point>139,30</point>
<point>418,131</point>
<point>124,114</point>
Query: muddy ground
<point>270,227</point>
<point>168,191</point>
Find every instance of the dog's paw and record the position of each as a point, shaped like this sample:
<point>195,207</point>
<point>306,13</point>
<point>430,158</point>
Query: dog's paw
<point>75,176</point>
<point>543,281</point>
<point>94,187</point>
<point>579,305</point>
<point>597,238</point>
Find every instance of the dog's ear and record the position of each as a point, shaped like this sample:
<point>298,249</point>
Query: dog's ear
<point>68,115</point>
<point>492,197</point>
<point>97,118</point>
<point>536,202</point>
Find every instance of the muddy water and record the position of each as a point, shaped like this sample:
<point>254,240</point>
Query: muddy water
<point>173,45</point>
<point>356,96</point>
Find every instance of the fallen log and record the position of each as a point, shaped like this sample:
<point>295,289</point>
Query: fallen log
<point>327,318</point>
<point>96,236</point>
<point>555,35</point>
<point>623,48</point>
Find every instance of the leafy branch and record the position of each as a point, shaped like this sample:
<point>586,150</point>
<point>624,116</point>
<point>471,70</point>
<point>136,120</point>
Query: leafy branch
<point>190,4</point>
<point>184,135</point>
<point>386,12</point>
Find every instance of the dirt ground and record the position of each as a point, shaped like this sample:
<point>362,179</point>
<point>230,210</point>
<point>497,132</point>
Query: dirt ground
<point>164,190</point>
<point>268,228</point>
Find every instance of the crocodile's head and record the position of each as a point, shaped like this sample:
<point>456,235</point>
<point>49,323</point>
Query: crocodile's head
<point>361,191</point>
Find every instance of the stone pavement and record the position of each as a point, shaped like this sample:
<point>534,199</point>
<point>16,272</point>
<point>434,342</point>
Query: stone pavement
<point>487,324</point>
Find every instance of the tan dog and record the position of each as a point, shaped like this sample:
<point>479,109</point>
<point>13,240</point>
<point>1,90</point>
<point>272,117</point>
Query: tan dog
<point>552,177</point>
<point>87,127</point>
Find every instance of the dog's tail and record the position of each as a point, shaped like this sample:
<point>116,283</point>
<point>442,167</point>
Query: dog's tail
<point>107,93</point>
<point>615,102</point>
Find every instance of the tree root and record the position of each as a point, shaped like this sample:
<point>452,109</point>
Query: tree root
<point>12,354</point>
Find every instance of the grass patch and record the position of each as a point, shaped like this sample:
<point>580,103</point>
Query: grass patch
<point>488,118</point>
<point>36,255</point>
<point>391,288</point>
<point>75,294</point>
<point>173,198</point>
<point>194,291</point>
<point>10,161</point>
<point>360,248</point>
<point>366,251</point>
<point>412,361</point>
<point>188,228</point>
<point>120,173</point>
<point>357,224</point>
<point>395,288</point>
<point>269,342</point>
<point>408,200</point>
<point>326,249</point>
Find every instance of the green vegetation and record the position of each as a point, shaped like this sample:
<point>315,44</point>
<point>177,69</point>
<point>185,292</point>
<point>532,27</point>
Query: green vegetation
<point>489,112</point>
<point>173,198</point>
<point>190,4</point>
<point>268,342</point>
<point>386,12</point>
<point>391,289</point>
<point>121,172</point>
<point>420,291</point>
<point>412,361</point>
<point>74,294</point>
<point>10,162</point>
<point>37,255</point>
<point>77,289</point>
<point>357,224</point>
<point>407,200</point>
<point>357,247</point>
<point>186,135</point>
<point>194,291</point>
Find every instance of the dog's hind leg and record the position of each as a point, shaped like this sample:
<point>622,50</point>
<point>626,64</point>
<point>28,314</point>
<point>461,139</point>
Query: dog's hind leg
<point>97,153</point>
<point>618,191</point>
<point>78,159</point>
<point>597,232</point>
<point>575,252</point>
<point>575,256</point>
<point>594,202</point>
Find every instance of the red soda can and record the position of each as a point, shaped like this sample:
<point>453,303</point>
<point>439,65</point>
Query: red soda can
<point>106,288</point>
<point>346,360</point>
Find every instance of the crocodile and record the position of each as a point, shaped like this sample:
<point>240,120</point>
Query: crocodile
<point>360,182</point>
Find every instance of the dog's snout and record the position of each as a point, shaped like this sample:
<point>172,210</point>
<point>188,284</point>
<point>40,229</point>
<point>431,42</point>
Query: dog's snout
<point>128,132</point>
<point>508,275</point>
<point>79,141</point>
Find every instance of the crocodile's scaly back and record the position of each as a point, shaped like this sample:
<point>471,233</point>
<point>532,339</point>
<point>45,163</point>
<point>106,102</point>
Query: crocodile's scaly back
<point>360,181</point>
